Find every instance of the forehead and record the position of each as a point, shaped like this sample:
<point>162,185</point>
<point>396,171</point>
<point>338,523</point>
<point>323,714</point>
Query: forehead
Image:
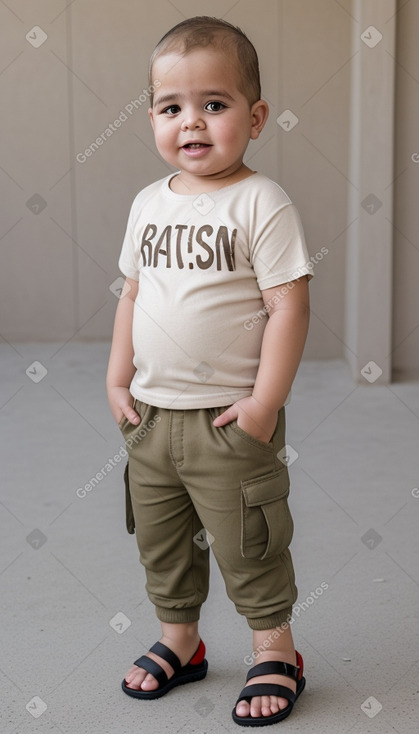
<point>199,70</point>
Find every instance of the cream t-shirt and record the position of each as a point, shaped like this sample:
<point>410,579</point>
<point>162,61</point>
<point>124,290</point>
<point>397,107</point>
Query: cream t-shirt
<point>202,262</point>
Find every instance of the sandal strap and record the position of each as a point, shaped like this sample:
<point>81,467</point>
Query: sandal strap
<point>275,667</point>
<point>167,654</point>
<point>266,689</point>
<point>152,667</point>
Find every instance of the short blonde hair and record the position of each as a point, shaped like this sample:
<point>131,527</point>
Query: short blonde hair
<point>203,31</point>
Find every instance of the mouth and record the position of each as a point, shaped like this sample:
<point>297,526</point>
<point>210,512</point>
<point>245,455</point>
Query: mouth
<point>195,146</point>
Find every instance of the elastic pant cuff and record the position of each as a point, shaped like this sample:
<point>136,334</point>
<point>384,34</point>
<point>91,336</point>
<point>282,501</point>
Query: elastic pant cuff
<point>274,620</point>
<point>178,616</point>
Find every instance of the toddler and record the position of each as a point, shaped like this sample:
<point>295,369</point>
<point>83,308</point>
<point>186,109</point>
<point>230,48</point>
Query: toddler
<point>209,332</point>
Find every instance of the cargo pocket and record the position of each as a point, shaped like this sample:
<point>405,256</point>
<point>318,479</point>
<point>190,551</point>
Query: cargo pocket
<point>129,514</point>
<point>266,522</point>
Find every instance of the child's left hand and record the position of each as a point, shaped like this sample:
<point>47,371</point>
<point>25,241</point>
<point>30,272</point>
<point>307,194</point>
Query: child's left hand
<point>252,417</point>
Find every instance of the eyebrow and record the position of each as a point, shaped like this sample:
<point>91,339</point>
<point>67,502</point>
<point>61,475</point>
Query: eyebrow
<point>180,95</point>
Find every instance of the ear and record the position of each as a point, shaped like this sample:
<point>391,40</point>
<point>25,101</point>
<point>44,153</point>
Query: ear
<point>259,113</point>
<point>150,114</point>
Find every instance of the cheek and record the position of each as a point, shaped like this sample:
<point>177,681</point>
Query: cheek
<point>232,132</point>
<point>163,135</point>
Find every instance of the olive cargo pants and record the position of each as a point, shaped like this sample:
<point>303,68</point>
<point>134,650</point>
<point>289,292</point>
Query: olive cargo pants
<point>191,486</point>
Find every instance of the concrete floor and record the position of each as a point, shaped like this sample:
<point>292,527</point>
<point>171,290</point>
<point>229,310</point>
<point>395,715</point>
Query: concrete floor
<point>74,609</point>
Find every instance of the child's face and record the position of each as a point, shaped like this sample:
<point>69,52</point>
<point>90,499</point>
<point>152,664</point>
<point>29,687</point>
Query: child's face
<point>202,123</point>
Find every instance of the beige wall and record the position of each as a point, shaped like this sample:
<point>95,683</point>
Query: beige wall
<point>57,265</point>
<point>314,81</point>
<point>406,204</point>
<point>369,242</point>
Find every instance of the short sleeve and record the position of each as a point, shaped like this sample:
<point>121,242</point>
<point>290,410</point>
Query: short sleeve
<point>279,252</point>
<point>128,261</point>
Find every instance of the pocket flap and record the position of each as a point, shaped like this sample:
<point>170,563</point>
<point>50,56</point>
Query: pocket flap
<point>268,488</point>
<point>129,514</point>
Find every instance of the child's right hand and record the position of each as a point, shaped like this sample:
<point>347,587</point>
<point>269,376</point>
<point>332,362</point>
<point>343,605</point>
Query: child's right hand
<point>120,401</point>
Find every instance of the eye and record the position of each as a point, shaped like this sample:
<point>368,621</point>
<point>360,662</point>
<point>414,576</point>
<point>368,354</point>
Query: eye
<point>215,106</point>
<point>172,110</point>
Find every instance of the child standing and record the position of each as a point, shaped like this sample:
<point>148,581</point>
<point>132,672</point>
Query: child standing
<point>208,335</point>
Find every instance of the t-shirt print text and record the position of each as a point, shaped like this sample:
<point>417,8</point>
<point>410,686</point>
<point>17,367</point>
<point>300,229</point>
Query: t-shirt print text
<point>181,245</point>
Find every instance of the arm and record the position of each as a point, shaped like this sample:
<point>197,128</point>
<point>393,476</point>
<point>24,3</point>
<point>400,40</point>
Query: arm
<point>120,368</point>
<point>282,347</point>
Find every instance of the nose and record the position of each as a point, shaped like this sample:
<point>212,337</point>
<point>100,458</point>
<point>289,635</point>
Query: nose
<point>192,120</point>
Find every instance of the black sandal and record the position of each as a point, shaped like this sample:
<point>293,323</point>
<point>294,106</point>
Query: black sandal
<point>271,689</point>
<point>196,669</point>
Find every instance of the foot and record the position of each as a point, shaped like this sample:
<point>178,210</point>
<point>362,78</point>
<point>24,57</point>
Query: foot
<point>182,645</point>
<point>268,705</point>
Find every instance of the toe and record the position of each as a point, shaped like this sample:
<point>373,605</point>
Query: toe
<point>274,704</point>
<point>135,680</point>
<point>139,679</point>
<point>149,683</point>
<point>242,708</point>
<point>261,706</point>
<point>256,706</point>
<point>265,705</point>
<point>131,674</point>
